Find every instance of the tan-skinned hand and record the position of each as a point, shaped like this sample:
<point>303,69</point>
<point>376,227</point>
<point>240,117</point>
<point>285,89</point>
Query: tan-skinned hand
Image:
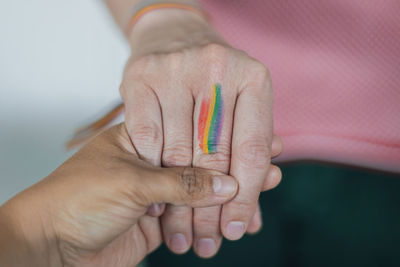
<point>91,211</point>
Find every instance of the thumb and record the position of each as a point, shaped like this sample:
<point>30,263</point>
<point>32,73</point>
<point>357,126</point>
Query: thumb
<point>194,187</point>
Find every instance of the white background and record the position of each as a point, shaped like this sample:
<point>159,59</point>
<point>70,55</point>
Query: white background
<point>61,64</point>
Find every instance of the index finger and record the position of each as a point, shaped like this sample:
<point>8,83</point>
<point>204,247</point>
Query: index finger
<point>251,153</point>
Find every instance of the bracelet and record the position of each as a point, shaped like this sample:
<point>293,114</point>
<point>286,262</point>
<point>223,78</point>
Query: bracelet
<point>144,7</point>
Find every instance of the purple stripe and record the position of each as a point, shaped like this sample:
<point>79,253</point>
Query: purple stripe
<point>217,127</point>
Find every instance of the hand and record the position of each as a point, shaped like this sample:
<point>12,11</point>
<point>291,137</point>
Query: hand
<point>178,62</point>
<point>91,211</point>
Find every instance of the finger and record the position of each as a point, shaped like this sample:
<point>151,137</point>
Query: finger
<point>207,234</point>
<point>177,127</point>
<point>256,222</point>
<point>156,210</point>
<point>150,226</point>
<point>143,121</point>
<point>213,125</point>
<point>176,223</point>
<point>177,151</point>
<point>251,153</point>
<point>195,187</point>
<point>274,177</point>
<point>277,146</point>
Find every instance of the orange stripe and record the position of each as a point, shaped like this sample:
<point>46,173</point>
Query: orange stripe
<point>149,8</point>
<point>209,117</point>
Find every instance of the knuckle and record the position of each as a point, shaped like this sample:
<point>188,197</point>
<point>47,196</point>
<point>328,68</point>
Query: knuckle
<point>146,135</point>
<point>177,154</point>
<point>178,212</point>
<point>216,161</point>
<point>215,57</point>
<point>137,67</point>
<point>206,221</point>
<point>260,69</point>
<point>141,68</point>
<point>123,90</point>
<point>245,206</point>
<point>259,73</point>
<point>254,153</point>
<point>215,49</point>
<point>219,161</point>
<point>174,60</point>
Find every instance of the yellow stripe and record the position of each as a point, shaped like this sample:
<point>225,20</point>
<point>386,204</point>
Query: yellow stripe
<point>207,128</point>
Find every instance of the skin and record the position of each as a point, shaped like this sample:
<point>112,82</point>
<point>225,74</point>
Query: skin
<point>91,211</point>
<point>176,58</point>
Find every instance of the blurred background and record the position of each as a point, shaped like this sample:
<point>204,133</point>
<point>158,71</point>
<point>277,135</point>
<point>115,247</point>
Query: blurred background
<point>61,64</point>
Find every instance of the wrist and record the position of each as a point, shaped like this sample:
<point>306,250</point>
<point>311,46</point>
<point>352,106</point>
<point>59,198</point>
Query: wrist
<point>170,30</point>
<point>26,236</point>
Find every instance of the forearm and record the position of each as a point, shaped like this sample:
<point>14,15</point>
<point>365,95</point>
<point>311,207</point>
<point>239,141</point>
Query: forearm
<point>163,30</point>
<point>122,9</point>
<point>26,237</point>
<point>13,252</point>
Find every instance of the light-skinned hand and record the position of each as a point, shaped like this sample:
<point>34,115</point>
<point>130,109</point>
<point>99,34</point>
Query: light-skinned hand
<point>176,60</point>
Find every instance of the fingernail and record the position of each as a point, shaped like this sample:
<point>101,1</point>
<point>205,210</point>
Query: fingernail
<point>206,247</point>
<point>224,185</point>
<point>154,209</point>
<point>178,242</point>
<point>235,230</point>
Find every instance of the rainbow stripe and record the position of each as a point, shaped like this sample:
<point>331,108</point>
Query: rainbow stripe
<point>210,121</point>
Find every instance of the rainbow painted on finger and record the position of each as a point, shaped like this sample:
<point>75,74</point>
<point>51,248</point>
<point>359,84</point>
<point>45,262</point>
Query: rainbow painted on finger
<point>210,121</point>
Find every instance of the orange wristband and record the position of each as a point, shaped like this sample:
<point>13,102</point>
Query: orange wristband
<point>157,6</point>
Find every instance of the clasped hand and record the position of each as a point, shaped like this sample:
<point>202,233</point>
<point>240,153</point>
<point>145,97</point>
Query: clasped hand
<point>193,100</point>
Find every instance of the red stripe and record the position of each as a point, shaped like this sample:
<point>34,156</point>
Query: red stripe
<point>202,121</point>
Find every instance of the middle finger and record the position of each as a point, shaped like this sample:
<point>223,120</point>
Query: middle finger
<point>211,146</point>
<point>176,221</point>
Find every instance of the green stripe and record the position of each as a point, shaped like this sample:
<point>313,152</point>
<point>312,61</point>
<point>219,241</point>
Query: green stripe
<point>211,141</point>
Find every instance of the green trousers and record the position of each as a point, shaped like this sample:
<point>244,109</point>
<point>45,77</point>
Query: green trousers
<point>320,215</point>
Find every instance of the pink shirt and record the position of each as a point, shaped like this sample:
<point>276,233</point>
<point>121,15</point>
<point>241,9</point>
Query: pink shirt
<point>335,69</point>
